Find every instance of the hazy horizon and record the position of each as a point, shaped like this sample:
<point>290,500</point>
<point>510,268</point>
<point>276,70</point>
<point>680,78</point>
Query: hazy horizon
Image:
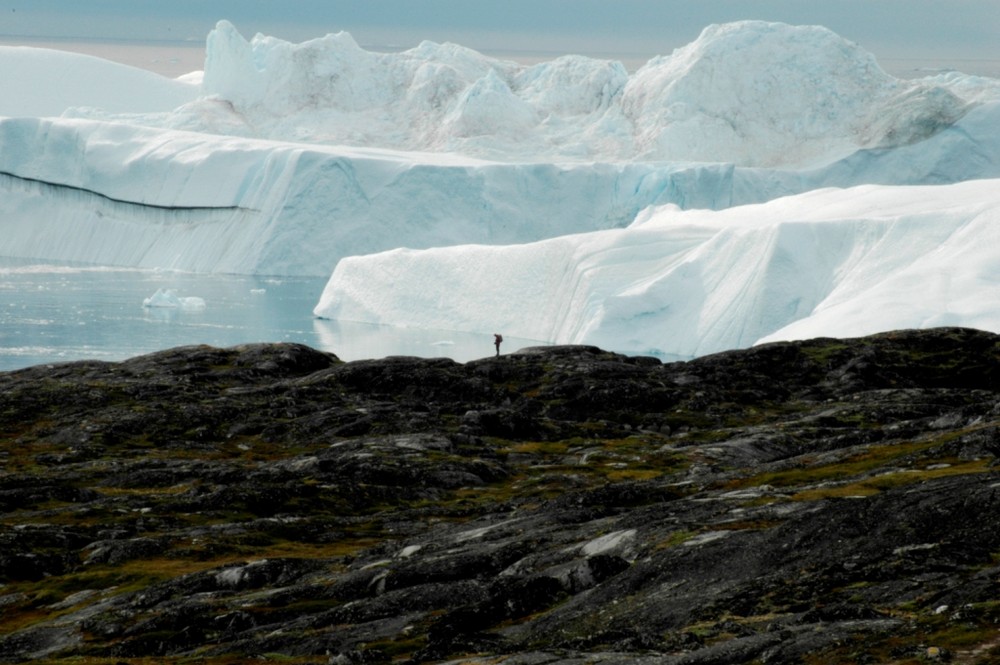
<point>941,34</point>
<point>173,58</point>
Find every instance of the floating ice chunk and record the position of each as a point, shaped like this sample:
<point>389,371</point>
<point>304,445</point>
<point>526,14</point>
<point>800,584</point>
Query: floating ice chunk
<point>168,298</point>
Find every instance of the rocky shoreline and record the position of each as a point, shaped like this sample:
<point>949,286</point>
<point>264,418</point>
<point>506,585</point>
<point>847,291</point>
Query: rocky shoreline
<point>826,501</point>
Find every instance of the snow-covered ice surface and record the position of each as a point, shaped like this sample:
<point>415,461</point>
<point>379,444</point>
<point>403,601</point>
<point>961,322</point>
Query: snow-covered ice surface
<point>44,82</point>
<point>763,182</point>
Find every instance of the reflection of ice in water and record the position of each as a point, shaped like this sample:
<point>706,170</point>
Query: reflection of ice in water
<point>57,314</point>
<point>355,341</point>
<point>165,305</point>
<point>160,314</point>
<point>52,313</point>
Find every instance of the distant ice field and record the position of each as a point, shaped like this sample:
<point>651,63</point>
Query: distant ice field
<point>170,59</point>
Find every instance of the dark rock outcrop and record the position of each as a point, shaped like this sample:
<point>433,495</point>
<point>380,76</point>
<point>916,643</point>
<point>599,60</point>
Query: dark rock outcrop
<point>819,501</point>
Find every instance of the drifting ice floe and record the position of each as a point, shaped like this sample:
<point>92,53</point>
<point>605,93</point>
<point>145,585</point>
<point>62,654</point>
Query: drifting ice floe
<point>168,298</point>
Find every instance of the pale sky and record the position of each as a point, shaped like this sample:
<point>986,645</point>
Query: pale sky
<point>939,30</point>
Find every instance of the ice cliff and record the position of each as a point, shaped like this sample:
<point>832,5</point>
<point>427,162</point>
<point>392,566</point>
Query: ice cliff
<point>830,262</point>
<point>287,158</point>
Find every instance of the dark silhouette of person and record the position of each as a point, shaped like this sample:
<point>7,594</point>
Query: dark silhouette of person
<point>496,342</point>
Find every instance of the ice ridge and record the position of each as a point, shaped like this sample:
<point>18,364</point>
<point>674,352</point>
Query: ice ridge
<point>750,93</point>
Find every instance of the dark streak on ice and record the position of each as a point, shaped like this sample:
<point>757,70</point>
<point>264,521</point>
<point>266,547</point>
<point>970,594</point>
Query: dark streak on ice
<point>112,199</point>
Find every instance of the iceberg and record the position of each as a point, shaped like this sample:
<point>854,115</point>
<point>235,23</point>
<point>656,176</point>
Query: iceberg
<point>135,196</point>
<point>46,82</point>
<point>168,298</point>
<point>750,93</point>
<point>569,200</point>
<point>832,262</point>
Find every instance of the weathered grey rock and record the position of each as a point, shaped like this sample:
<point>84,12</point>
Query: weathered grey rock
<point>835,500</point>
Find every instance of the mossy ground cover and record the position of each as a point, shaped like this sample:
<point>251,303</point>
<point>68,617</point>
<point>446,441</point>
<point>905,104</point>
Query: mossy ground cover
<point>893,479</point>
<point>673,478</point>
<point>870,468</point>
<point>927,637</point>
<point>547,469</point>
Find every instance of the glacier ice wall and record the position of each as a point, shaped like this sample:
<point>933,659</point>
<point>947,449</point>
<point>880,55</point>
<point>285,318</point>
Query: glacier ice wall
<point>127,195</point>
<point>119,194</point>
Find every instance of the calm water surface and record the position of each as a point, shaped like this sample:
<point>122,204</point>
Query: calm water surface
<point>56,313</point>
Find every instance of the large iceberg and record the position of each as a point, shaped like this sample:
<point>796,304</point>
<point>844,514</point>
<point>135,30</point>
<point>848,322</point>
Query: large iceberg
<point>834,262</point>
<point>324,158</point>
<point>749,93</point>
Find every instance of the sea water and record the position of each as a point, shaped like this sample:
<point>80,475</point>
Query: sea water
<point>52,313</point>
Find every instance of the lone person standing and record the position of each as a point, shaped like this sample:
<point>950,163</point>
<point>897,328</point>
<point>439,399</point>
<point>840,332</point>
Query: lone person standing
<point>497,338</point>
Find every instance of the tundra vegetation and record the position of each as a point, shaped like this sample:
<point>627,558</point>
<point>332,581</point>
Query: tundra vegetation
<point>825,501</point>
